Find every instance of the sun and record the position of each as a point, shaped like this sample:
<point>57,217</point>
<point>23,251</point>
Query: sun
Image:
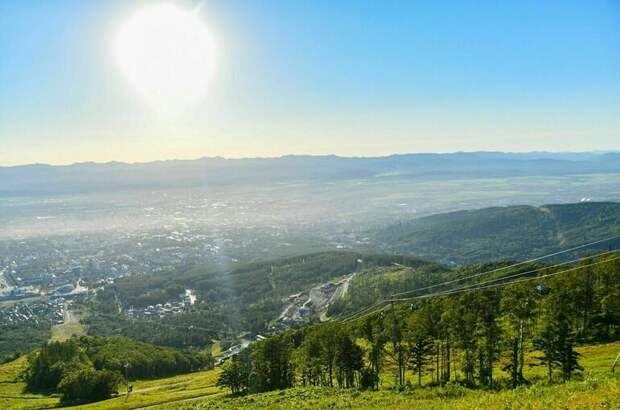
<point>167,54</point>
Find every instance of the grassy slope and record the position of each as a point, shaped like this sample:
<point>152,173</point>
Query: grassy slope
<point>12,394</point>
<point>70,327</point>
<point>146,392</point>
<point>596,394</point>
<point>171,389</point>
<point>596,389</point>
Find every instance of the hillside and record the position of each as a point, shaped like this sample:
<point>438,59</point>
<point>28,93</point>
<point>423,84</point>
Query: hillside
<point>598,390</point>
<point>511,346</point>
<point>501,233</point>
<point>538,342</point>
<point>145,392</point>
<point>199,391</point>
<point>248,297</point>
<point>87,369</point>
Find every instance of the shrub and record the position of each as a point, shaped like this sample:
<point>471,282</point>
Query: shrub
<point>81,383</point>
<point>47,367</point>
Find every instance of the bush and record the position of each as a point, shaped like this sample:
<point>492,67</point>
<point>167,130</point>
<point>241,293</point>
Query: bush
<point>368,379</point>
<point>90,368</point>
<point>451,391</point>
<point>47,367</point>
<point>81,384</point>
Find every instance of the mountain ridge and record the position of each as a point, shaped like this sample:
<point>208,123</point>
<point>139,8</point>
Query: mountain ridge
<point>40,179</point>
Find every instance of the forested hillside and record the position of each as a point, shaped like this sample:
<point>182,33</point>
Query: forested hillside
<point>501,233</point>
<point>478,337</point>
<point>91,368</point>
<point>244,298</point>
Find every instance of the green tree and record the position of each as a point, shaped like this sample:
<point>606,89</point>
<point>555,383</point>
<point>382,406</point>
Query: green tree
<point>419,342</point>
<point>235,375</point>
<point>81,384</point>
<point>349,359</point>
<point>374,332</point>
<point>460,317</point>
<point>555,338</point>
<point>606,316</point>
<point>518,304</point>
<point>309,360</point>
<point>272,364</point>
<point>487,332</point>
<point>47,366</point>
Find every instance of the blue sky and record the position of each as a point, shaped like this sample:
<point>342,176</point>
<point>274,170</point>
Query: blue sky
<point>318,77</point>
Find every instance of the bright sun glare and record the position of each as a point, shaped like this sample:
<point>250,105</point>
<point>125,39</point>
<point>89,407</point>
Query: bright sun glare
<point>168,54</point>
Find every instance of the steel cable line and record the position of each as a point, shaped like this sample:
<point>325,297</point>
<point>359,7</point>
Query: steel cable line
<point>532,271</point>
<point>369,310</point>
<point>461,290</point>
<point>362,311</point>
<point>506,267</point>
<point>384,303</point>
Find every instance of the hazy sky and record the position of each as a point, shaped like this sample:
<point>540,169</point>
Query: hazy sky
<point>316,77</point>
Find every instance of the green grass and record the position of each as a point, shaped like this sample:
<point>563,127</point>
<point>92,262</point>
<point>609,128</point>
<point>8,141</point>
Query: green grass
<point>146,392</point>
<point>589,394</point>
<point>63,332</point>
<point>595,389</point>
<point>152,392</point>
<point>12,395</point>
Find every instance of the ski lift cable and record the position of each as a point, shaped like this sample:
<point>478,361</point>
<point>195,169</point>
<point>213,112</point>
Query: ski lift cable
<point>461,290</point>
<point>369,310</point>
<point>531,271</point>
<point>351,319</point>
<point>507,267</point>
<point>363,310</point>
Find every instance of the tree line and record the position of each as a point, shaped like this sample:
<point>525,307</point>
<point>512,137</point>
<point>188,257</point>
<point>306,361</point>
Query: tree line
<point>91,368</point>
<point>463,338</point>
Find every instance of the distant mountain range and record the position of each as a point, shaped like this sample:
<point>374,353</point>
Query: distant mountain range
<point>504,233</point>
<point>88,177</point>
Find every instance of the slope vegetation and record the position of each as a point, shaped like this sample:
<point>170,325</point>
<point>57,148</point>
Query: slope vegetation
<point>514,232</point>
<point>243,298</point>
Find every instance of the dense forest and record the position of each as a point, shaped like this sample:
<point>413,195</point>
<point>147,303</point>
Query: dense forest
<point>91,368</point>
<point>500,233</point>
<point>19,339</point>
<point>246,298</point>
<point>462,337</point>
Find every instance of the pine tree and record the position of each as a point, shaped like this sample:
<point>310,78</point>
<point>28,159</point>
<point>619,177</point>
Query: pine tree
<point>374,331</point>
<point>420,347</point>
<point>518,305</point>
<point>555,337</point>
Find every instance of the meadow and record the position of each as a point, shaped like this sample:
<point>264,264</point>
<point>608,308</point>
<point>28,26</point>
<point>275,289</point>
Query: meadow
<point>596,388</point>
<point>145,392</point>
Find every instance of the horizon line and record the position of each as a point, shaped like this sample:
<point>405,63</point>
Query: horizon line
<point>219,157</point>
